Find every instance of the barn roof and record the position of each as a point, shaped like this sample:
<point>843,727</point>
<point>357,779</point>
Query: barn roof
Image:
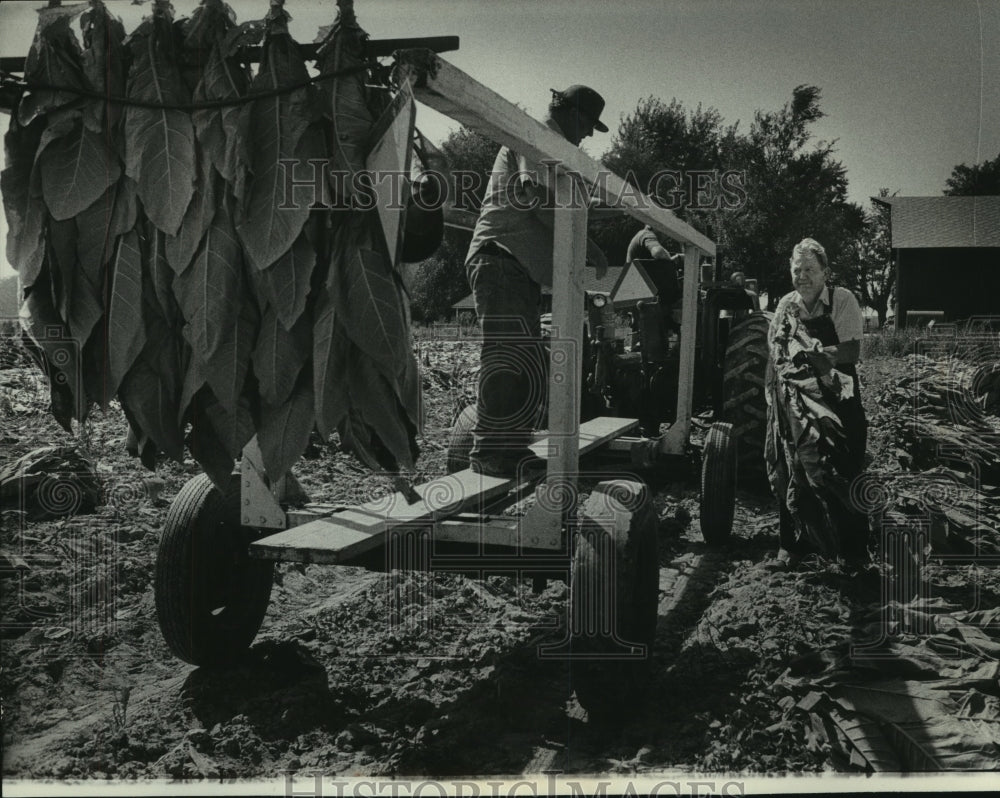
<point>931,222</point>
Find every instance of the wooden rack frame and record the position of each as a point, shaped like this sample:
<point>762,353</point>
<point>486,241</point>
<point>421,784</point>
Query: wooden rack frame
<point>441,86</point>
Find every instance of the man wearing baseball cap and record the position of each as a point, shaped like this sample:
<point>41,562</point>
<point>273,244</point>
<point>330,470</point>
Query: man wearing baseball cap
<point>509,260</point>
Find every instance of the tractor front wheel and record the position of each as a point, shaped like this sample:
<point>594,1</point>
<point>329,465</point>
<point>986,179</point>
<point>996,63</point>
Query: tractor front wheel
<point>718,484</point>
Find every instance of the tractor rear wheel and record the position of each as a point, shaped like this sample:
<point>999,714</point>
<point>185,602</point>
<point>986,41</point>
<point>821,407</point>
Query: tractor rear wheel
<point>744,403</point>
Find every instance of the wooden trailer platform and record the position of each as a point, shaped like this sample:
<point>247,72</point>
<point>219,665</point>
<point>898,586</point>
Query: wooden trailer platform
<point>353,531</point>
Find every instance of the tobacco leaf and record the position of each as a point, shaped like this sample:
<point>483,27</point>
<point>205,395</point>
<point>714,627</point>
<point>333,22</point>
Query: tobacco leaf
<point>95,237</point>
<point>915,756</point>
<point>221,314</point>
<point>126,211</point>
<point>377,428</point>
<point>278,356</point>
<point>21,188</point>
<point>55,58</point>
<point>216,436</point>
<point>86,307</point>
<point>194,381</point>
<point>870,745</point>
<point>104,63</point>
<point>126,324</point>
<point>223,78</point>
<point>284,430</point>
<point>60,239</point>
<point>160,156</point>
<point>345,98</point>
<point>160,293</point>
<point>98,229</point>
<point>76,170</point>
<point>207,447</point>
<point>96,365</point>
<point>149,391</point>
<point>368,298</point>
<point>330,351</point>
<point>198,216</point>
<point>285,283</point>
<point>52,337</point>
<point>152,386</point>
<point>270,221</point>
<point>215,432</point>
<point>235,429</point>
<point>246,34</point>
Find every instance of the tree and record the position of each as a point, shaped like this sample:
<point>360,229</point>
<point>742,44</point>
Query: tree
<point>439,282</point>
<point>874,274</point>
<point>787,190</point>
<point>651,142</point>
<point>976,180</point>
<point>792,191</point>
<point>472,153</point>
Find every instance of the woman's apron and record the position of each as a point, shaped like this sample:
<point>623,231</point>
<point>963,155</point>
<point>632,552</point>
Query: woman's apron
<point>852,525</point>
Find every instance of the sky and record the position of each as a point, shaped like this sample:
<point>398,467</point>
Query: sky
<point>910,88</point>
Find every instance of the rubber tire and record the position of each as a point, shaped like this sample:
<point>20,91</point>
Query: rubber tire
<point>718,484</point>
<point>460,440</point>
<point>203,564</point>
<point>744,401</point>
<point>611,689</point>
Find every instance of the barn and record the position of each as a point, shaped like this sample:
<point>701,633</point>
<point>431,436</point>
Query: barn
<point>946,251</point>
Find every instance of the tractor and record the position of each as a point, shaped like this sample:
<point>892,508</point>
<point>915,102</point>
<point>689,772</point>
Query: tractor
<point>637,375</point>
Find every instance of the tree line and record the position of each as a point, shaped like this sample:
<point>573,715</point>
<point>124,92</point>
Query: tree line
<point>782,186</point>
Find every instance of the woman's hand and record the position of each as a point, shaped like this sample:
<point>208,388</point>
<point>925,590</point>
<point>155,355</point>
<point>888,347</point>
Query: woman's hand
<point>817,358</point>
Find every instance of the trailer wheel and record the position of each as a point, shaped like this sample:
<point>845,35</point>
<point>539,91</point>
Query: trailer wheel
<point>460,440</point>
<point>718,484</point>
<point>614,595</point>
<point>211,596</point>
<point>744,402</point>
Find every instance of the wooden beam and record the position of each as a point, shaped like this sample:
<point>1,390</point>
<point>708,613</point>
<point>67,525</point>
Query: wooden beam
<point>375,48</point>
<point>675,439</point>
<point>447,89</point>
<point>545,518</point>
<point>353,531</point>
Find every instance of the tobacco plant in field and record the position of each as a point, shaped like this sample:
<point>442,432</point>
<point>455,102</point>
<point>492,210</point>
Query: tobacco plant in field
<point>162,263</point>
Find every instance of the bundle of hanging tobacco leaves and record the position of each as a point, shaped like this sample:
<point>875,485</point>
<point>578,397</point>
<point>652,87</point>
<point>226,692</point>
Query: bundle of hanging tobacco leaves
<point>160,259</point>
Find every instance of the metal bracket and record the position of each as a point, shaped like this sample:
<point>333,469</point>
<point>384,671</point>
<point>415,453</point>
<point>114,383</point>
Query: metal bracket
<point>541,527</point>
<point>259,506</point>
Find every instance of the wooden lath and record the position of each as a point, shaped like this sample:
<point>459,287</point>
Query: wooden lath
<point>447,89</point>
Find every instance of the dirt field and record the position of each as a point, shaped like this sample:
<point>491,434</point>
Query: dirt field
<point>752,671</point>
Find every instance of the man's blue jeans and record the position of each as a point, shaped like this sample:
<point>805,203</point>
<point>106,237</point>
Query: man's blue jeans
<point>512,373</point>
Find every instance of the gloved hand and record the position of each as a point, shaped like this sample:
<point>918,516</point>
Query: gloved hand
<point>816,358</point>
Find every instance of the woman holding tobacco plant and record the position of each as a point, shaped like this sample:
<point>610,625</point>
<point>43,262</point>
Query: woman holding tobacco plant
<point>816,431</point>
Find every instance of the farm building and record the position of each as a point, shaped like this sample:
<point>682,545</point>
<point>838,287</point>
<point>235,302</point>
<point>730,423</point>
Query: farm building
<point>946,251</point>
